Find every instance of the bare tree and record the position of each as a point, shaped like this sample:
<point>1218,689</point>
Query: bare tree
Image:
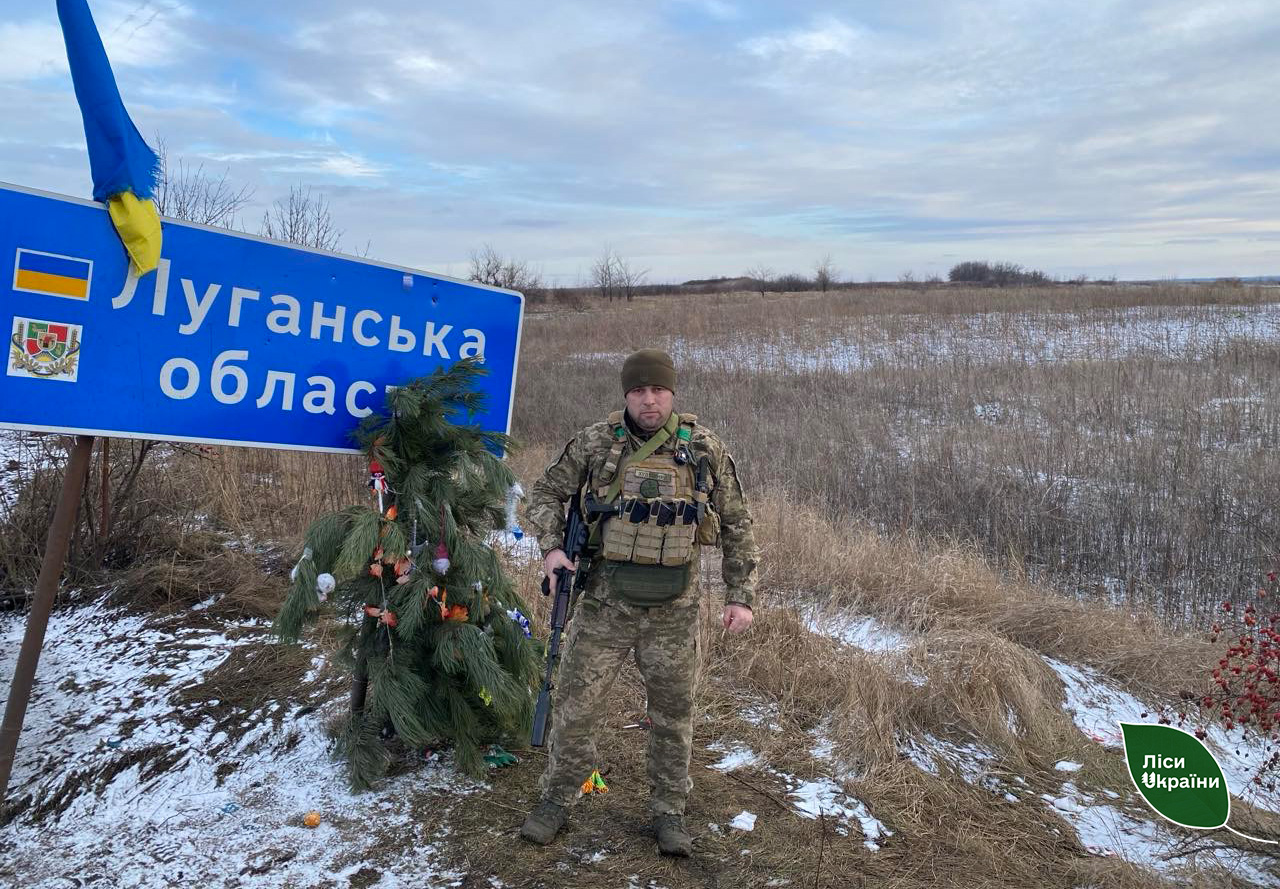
<point>604,274</point>
<point>612,275</point>
<point>303,219</point>
<point>628,276</point>
<point>761,276</point>
<point>196,196</point>
<point>488,266</point>
<point>824,273</point>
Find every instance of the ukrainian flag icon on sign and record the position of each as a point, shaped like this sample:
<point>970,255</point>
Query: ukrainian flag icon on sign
<point>51,274</point>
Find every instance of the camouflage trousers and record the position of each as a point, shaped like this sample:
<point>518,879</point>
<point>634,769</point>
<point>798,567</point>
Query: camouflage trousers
<point>604,630</point>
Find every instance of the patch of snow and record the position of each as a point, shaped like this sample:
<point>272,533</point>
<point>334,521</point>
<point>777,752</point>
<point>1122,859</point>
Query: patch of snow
<point>764,715</point>
<point>159,789</point>
<point>1067,766</point>
<point>921,340</point>
<point>736,756</point>
<point>827,798</point>
<point>1098,706</point>
<point>518,549</point>
<point>972,760</point>
<point>1106,830</point>
<point>744,820</point>
<point>857,630</point>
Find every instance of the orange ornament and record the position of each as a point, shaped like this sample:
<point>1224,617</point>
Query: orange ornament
<point>457,612</point>
<point>402,565</point>
<point>311,819</point>
<point>391,511</point>
<point>386,616</point>
<point>376,569</point>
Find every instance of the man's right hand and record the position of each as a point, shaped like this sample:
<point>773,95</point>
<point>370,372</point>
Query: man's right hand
<point>556,559</point>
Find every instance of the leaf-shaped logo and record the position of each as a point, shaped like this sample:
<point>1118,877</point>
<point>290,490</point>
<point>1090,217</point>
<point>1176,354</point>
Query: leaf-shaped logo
<point>1177,775</point>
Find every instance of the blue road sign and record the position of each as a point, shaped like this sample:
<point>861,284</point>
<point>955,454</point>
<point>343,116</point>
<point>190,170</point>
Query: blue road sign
<point>234,339</point>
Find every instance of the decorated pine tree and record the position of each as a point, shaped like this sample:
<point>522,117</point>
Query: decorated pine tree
<point>433,632</point>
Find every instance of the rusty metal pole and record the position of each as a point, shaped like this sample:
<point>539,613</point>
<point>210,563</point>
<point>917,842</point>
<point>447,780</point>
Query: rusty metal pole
<point>55,558</point>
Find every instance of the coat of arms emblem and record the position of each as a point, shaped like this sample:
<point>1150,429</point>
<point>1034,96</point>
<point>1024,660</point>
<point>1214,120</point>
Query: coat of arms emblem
<point>44,349</point>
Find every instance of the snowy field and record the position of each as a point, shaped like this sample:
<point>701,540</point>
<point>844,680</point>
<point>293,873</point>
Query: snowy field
<point>1183,333</point>
<point>140,785</point>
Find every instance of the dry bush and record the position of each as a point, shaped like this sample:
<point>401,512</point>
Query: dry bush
<point>923,587</point>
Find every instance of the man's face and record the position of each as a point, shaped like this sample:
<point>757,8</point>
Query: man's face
<point>649,406</point>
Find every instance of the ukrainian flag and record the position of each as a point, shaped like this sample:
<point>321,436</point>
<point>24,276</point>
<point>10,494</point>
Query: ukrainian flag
<point>52,274</point>
<point>123,166</point>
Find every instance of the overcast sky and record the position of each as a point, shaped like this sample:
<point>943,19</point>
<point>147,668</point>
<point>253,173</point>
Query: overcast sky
<point>702,137</point>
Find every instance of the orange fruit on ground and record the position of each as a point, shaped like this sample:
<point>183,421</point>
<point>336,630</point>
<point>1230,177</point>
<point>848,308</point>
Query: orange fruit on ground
<point>311,819</point>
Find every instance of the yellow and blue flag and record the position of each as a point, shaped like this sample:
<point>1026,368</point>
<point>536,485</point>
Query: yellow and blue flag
<point>124,167</point>
<point>51,274</point>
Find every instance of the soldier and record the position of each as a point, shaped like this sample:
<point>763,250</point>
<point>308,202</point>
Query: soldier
<point>677,489</point>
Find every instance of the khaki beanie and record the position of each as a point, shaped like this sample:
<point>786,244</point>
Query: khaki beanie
<point>648,367</point>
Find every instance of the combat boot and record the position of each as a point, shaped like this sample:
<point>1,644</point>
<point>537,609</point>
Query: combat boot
<point>673,839</point>
<point>544,822</point>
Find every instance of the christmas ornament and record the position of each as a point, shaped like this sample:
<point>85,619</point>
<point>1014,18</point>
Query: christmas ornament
<point>522,621</point>
<point>311,819</point>
<point>392,512</point>
<point>384,615</point>
<point>306,554</point>
<point>376,569</point>
<point>456,612</point>
<point>377,481</point>
<point>486,697</point>
<point>441,563</point>
<point>325,584</point>
<point>440,594</point>
<point>595,784</point>
<point>514,493</point>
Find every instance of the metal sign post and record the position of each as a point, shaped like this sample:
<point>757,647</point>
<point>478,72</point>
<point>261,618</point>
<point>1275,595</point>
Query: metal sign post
<point>55,557</point>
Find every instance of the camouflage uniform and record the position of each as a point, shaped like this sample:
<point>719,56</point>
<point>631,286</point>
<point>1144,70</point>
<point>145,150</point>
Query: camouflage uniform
<point>605,629</point>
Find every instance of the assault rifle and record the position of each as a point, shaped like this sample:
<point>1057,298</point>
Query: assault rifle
<point>575,544</point>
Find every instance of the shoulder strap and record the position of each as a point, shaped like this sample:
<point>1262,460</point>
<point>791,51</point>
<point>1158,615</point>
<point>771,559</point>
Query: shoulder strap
<point>646,450</point>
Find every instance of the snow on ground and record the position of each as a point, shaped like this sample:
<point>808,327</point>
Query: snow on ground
<point>856,630</point>
<point>1098,706</point>
<point>1107,830</point>
<point>153,790</point>
<point>1182,332</point>
<point>823,796</point>
<point>827,798</point>
<point>519,548</point>
<point>735,757</point>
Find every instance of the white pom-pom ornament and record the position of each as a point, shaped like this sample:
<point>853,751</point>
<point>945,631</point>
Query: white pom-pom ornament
<point>324,585</point>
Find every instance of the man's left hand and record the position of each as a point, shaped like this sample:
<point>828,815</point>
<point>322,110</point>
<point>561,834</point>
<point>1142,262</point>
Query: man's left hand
<point>736,618</point>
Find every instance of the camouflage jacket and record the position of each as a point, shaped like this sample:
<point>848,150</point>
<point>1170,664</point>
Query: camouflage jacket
<point>586,451</point>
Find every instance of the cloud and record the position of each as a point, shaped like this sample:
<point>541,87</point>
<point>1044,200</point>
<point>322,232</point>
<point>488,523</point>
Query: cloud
<point>699,136</point>
<point>828,37</point>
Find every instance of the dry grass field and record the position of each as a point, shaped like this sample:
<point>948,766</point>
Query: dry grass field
<point>999,476</point>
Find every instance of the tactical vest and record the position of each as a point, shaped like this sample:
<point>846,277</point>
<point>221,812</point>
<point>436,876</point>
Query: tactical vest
<point>659,519</point>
